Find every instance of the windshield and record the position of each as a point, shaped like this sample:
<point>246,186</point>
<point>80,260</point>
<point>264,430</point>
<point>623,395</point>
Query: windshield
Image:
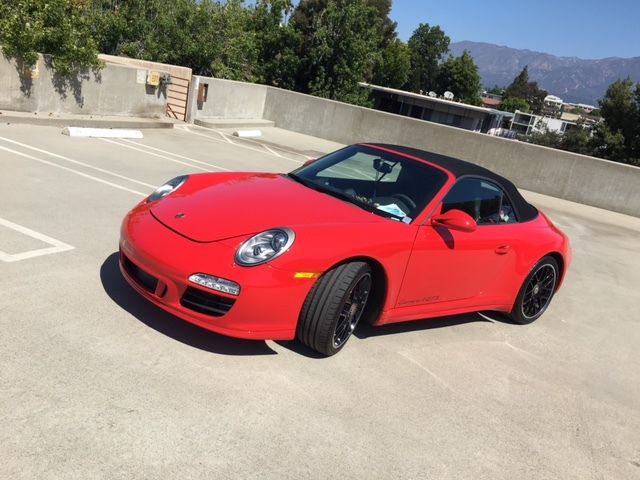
<point>384,183</point>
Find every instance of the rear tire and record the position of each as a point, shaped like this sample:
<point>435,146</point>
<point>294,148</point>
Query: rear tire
<point>536,292</point>
<point>334,306</point>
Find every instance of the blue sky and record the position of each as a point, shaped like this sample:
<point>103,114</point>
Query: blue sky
<point>573,28</point>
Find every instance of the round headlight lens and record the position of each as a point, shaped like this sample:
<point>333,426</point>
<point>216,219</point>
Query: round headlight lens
<point>169,187</point>
<point>265,246</point>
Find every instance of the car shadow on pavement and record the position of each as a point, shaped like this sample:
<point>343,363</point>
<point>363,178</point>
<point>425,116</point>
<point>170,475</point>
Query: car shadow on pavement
<point>297,347</point>
<point>128,299</point>
<point>366,330</point>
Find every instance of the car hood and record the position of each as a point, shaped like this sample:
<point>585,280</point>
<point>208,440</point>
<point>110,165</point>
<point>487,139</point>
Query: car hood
<point>216,206</point>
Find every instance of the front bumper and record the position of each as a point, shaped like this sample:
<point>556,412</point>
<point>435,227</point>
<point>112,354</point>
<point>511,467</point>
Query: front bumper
<point>270,299</point>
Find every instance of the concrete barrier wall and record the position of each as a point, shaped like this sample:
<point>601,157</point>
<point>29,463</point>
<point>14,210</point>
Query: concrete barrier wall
<point>177,91</point>
<point>577,178</point>
<point>226,99</point>
<point>115,90</point>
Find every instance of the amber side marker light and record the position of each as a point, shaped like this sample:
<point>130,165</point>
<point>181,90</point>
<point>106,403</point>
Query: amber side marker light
<point>307,275</point>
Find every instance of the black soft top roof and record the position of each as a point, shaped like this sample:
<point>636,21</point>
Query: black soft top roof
<point>460,168</point>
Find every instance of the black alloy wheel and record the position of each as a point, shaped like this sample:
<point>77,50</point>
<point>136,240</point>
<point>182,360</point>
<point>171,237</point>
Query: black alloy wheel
<point>334,306</point>
<point>536,292</point>
<point>352,310</point>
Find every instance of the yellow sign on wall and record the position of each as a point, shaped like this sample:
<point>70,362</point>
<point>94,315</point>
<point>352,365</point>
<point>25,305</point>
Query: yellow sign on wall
<point>153,79</point>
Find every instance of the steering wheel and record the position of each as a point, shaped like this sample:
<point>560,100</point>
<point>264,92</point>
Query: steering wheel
<point>405,199</point>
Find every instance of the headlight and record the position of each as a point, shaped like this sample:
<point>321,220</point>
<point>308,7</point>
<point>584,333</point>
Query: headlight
<point>169,187</point>
<point>265,246</point>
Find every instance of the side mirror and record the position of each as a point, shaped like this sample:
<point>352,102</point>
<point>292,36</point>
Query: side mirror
<point>309,162</point>
<point>455,220</point>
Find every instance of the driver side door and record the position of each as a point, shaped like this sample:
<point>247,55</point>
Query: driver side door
<point>451,269</point>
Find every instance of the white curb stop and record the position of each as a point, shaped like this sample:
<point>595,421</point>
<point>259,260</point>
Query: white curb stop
<point>101,132</point>
<point>247,133</point>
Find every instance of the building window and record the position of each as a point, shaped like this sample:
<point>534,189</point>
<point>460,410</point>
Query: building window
<point>416,112</point>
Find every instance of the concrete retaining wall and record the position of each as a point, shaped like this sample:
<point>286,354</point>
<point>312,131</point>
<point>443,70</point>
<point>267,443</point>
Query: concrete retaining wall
<point>177,91</point>
<point>578,178</point>
<point>115,90</point>
<point>226,99</point>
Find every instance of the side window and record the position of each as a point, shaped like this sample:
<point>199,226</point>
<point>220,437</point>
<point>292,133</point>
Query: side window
<point>484,201</point>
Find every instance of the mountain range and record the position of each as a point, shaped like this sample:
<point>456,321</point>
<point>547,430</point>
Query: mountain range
<point>573,79</point>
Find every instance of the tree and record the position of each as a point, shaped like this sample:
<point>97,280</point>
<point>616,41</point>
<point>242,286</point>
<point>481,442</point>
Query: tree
<point>512,104</point>
<point>386,26</point>
<point>521,87</point>
<point>59,28</point>
<point>496,90</point>
<point>306,10</point>
<point>545,137</point>
<point>620,109</point>
<point>278,43</point>
<point>460,76</point>
<point>237,55</point>
<point>305,20</point>
<point>577,140</point>
<point>342,50</point>
<point>393,66</point>
<point>619,138</point>
<point>181,32</point>
<point>427,45</point>
<point>607,144</point>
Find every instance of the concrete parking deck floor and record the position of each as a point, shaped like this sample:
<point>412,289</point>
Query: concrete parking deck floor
<point>97,383</point>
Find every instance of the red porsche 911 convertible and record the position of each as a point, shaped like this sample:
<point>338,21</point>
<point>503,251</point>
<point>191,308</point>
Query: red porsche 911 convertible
<point>372,232</point>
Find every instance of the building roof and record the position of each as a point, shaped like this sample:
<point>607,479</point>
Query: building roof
<point>427,98</point>
<point>552,99</point>
<point>571,117</point>
<point>460,168</point>
<point>490,102</point>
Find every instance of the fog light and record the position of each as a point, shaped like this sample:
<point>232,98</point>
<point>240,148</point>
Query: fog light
<point>215,283</point>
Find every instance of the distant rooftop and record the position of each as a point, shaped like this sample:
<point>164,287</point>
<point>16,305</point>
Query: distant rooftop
<point>429,98</point>
<point>553,99</point>
<point>490,102</point>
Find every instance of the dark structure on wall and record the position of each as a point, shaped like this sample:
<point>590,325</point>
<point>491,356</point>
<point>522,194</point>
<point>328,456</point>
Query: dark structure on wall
<point>437,110</point>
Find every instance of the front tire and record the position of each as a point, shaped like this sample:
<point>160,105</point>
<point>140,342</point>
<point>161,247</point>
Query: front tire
<point>334,307</point>
<point>536,292</point>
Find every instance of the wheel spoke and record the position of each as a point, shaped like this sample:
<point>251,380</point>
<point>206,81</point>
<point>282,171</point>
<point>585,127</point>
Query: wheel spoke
<point>538,291</point>
<point>352,310</point>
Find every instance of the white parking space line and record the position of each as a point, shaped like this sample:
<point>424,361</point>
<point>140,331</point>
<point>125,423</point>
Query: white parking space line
<point>56,245</point>
<point>76,172</point>
<point>224,137</point>
<point>144,145</point>
<point>281,149</point>
<point>76,162</point>
<point>187,128</point>
<point>486,317</point>
<point>141,150</point>
<point>273,151</point>
<point>227,137</point>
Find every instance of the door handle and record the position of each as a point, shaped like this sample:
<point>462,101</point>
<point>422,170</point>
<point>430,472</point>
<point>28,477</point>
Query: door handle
<point>503,249</point>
